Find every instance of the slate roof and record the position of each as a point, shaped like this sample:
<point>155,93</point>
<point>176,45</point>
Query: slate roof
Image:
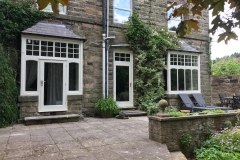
<point>186,48</point>
<point>52,30</point>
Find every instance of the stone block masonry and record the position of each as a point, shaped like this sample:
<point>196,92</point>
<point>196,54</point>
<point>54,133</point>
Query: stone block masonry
<point>169,130</point>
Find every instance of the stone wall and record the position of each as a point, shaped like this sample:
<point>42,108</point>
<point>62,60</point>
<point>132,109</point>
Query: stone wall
<point>84,18</point>
<point>169,130</point>
<point>29,106</point>
<point>224,85</point>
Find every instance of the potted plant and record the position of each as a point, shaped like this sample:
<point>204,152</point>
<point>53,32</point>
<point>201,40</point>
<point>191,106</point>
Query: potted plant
<point>106,107</point>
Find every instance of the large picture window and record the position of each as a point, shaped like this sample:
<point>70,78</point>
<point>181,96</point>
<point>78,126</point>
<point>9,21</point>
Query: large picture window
<point>35,49</point>
<point>183,73</point>
<point>122,10</point>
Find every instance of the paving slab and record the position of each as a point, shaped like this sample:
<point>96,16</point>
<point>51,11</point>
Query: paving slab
<point>89,139</point>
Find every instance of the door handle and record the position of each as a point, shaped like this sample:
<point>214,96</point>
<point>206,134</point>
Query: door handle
<point>42,82</point>
<point>130,84</point>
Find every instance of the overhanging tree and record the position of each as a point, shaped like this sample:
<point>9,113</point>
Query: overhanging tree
<point>193,8</point>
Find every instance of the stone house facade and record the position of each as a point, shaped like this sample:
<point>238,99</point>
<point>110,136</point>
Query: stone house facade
<point>90,60</point>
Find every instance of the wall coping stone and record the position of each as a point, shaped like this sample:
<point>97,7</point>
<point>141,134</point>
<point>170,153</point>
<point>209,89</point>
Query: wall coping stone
<point>192,116</point>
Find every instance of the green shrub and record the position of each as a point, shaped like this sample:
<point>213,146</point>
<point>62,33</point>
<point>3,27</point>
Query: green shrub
<point>222,145</point>
<point>153,108</point>
<point>227,124</point>
<point>170,109</point>
<point>8,90</point>
<point>106,107</point>
<point>177,114</point>
<point>185,140</point>
<point>217,111</point>
<point>15,16</point>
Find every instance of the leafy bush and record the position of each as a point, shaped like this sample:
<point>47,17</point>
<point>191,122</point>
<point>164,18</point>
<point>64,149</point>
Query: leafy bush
<point>222,145</point>
<point>149,48</point>
<point>227,124</point>
<point>170,109</point>
<point>8,90</point>
<point>185,140</point>
<point>106,107</point>
<point>226,67</point>
<point>15,16</point>
<point>153,108</point>
<point>216,111</point>
<point>177,114</point>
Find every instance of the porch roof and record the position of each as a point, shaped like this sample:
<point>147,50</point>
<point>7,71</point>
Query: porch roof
<point>52,30</point>
<point>184,47</point>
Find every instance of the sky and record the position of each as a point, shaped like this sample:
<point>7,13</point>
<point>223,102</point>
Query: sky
<point>221,49</point>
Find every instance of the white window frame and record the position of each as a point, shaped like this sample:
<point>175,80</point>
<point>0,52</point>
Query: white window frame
<point>173,19</point>
<point>64,12</point>
<point>25,57</point>
<point>169,67</point>
<point>124,9</point>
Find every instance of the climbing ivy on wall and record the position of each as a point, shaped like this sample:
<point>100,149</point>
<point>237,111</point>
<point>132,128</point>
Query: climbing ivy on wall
<point>15,16</point>
<point>149,47</point>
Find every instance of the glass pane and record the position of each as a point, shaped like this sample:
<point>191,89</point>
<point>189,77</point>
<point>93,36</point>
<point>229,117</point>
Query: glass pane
<point>53,83</point>
<point>195,79</point>
<point>173,24</point>
<point>181,80</point>
<point>187,60</point>
<point>73,77</point>
<point>194,60</point>
<point>126,4</point>
<point>121,16</point>
<point>173,79</point>
<point>181,60</point>
<point>122,83</point>
<point>188,79</point>
<point>31,75</point>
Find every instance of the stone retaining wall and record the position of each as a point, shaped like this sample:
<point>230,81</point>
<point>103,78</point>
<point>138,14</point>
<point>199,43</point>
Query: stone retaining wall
<point>225,85</point>
<point>168,130</point>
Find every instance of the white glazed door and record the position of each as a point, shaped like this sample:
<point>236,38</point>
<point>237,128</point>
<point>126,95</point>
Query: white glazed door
<point>52,86</point>
<point>123,80</point>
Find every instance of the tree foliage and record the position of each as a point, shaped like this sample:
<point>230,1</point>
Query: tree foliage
<point>149,47</point>
<point>8,89</point>
<point>228,66</point>
<point>193,8</point>
<point>15,16</point>
<point>54,3</point>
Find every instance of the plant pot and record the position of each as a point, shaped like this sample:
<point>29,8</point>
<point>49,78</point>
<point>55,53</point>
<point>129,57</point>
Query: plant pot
<point>185,111</point>
<point>106,114</point>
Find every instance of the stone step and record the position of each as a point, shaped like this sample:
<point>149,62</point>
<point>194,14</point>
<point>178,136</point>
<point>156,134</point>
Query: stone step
<point>134,113</point>
<point>178,155</point>
<point>52,119</point>
<point>128,108</point>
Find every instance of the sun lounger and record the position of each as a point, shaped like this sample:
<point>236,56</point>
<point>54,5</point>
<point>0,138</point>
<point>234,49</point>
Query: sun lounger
<point>199,99</point>
<point>187,104</point>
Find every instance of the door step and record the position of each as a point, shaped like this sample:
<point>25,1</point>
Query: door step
<point>52,119</point>
<point>133,113</point>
